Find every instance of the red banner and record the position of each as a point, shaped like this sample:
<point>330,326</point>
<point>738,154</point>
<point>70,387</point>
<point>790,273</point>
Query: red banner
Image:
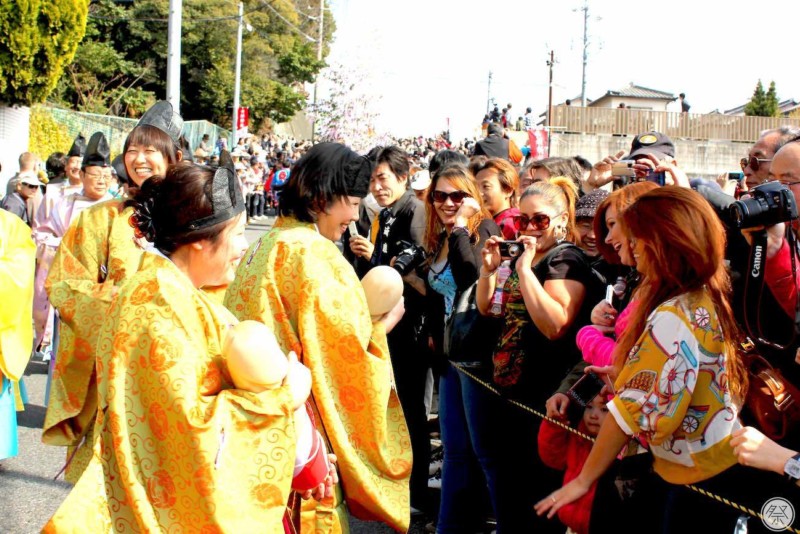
<point>537,139</point>
<point>243,119</point>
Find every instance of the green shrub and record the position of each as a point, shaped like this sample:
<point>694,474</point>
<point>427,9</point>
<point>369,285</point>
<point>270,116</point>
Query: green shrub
<point>38,38</point>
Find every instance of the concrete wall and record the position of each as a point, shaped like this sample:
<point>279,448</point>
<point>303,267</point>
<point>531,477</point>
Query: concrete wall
<point>700,159</point>
<point>14,133</point>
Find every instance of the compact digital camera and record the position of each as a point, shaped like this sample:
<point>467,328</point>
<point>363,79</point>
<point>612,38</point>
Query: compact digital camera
<point>510,249</point>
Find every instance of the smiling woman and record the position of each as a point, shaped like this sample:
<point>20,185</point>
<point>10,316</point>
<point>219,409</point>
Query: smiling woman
<point>97,254</point>
<point>162,356</point>
<point>295,280</point>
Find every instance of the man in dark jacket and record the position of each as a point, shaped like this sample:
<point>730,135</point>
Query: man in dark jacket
<point>496,145</point>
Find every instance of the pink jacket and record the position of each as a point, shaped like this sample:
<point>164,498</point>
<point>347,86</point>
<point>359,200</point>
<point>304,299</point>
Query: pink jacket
<point>597,348</point>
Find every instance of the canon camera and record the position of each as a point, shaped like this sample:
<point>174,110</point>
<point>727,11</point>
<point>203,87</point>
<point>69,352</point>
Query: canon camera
<point>769,204</point>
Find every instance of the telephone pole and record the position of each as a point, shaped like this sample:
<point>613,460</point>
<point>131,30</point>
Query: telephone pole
<point>489,93</point>
<point>238,74</point>
<point>550,64</point>
<point>174,54</point>
<point>319,58</point>
<point>585,10</point>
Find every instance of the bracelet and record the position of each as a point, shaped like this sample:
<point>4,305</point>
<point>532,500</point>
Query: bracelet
<point>487,275</point>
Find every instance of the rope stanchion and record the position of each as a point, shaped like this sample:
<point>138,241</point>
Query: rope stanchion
<point>561,424</point>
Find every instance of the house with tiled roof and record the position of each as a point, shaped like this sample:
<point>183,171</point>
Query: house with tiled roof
<point>786,107</point>
<point>635,97</point>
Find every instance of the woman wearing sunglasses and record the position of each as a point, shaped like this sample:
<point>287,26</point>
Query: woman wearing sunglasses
<point>458,227</point>
<point>544,305</point>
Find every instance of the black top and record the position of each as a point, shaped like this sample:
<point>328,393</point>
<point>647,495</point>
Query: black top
<point>528,365</point>
<point>465,260</point>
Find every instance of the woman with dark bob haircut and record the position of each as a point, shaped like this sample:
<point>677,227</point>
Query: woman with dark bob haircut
<point>296,281</point>
<point>98,253</point>
<point>175,437</point>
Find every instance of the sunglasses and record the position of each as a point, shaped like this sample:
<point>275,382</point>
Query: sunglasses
<point>31,186</point>
<point>753,162</point>
<point>540,221</point>
<point>456,196</point>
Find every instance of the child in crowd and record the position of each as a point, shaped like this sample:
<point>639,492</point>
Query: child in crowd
<point>563,450</point>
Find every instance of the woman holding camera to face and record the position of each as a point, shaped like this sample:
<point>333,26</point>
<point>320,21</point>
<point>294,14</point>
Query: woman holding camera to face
<point>543,305</point>
<point>679,380</point>
<point>458,227</point>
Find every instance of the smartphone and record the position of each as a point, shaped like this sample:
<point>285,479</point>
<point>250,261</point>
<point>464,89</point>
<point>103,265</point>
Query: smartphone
<point>623,167</point>
<point>510,249</point>
<point>585,389</point>
<point>659,178</point>
<point>610,295</point>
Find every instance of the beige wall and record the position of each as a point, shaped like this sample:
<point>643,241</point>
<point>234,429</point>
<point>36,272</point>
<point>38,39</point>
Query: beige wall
<point>700,159</point>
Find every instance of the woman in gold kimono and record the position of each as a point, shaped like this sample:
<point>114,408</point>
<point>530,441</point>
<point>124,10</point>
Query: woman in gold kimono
<point>295,280</point>
<point>97,254</point>
<point>178,446</point>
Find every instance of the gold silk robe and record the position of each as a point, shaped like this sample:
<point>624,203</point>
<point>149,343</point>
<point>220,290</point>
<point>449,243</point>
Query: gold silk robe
<point>298,283</point>
<point>178,448</point>
<point>97,254</point>
<point>17,264</point>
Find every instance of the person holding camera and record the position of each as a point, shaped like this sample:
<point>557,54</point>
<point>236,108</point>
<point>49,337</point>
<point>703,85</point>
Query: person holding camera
<point>458,226</point>
<point>651,158</point>
<point>396,238</point>
<point>543,305</point>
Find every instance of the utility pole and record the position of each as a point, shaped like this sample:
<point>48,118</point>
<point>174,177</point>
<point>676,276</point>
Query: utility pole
<point>550,64</point>
<point>489,93</point>
<point>319,58</point>
<point>585,10</point>
<point>174,54</point>
<point>237,82</point>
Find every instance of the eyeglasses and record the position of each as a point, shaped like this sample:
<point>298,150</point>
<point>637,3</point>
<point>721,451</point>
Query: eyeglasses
<point>456,196</point>
<point>540,221</point>
<point>753,162</point>
<point>98,177</point>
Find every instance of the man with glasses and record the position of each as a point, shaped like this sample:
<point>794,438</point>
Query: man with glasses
<point>17,202</point>
<point>777,306</point>
<point>757,162</point>
<point>95,179</point>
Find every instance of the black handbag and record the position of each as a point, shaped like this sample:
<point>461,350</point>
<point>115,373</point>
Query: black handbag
<point>468,335</point>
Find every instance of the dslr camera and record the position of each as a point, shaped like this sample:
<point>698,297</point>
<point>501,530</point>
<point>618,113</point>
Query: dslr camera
<point>409,258</point>
<point>770,203</point>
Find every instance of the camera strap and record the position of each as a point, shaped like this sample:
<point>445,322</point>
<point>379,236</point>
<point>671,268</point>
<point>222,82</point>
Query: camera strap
<point>754,289</point>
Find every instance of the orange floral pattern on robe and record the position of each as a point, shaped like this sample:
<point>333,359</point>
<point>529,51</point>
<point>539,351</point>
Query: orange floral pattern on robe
<point>298,283</point>
<point>97,253</point>
<point>177,451</point>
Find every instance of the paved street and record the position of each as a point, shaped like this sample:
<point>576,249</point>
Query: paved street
<point>28,493</point>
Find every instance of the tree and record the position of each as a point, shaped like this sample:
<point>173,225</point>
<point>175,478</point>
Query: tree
<point>348,114</point>
<point>38,39</point>
<point>123,60</point>
<point>763,104</point>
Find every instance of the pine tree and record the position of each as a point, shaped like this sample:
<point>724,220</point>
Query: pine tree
<point>771,107</point>
<point>763,104</point>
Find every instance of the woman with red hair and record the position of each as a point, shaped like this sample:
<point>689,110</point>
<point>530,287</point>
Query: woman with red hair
<point>679,382</point>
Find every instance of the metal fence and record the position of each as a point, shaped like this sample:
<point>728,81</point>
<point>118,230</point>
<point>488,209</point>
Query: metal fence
<point>615,121</point>
<point>116,129</point>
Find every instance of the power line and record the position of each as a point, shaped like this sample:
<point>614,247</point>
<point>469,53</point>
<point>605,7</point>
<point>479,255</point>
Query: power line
<point>288,22</point>
<point>209,19</point>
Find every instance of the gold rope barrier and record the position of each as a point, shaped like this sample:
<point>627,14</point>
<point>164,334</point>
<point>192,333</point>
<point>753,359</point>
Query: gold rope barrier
<point>537,413</point>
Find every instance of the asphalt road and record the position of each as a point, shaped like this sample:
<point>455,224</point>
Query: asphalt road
<point>29,495</point>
